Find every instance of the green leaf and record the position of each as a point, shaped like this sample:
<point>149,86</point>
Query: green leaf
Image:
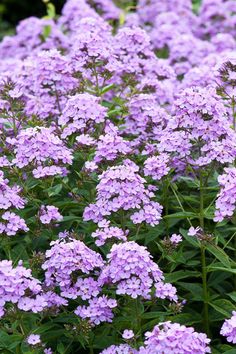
<point>191,183</point>
<point>219,254</point>
<point>46,327</point>
<point>181,215</point>
<point>225,307</point>
<point>232,295</point>
<point>9,342</point>
<point>122,18</point>
<point>225,348</point>
<point>107,88</point>
<point>54,190</point>
<point>71,218</point>
<point>181,274</point>
<point>191,239</point>
<point>25,348</point>
<point>154,233</point>
<point>114,111</point>
<point>51,11</point>
<point>194,289</point>
<point>52,335</point>
<point>19,252</point>
<point>217,279</point>
<point>187,318</point>
<point>47,31</point>
<point>61,348</point>
<point>149,315</point>
<point>209,213</point>
<point>214,268</point>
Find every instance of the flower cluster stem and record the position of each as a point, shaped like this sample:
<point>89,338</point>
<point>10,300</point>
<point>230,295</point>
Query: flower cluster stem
<point>233,103</point>
<point>203,260</point>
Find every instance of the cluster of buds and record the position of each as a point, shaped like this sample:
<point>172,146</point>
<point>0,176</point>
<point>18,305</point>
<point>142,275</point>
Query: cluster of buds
<point>71,235</point>
<point>227,77</point>
<point>37,259</point>
<point>171,243</point>
<point>200,234</point>
<point>177,307</point>
<point>82,328</point>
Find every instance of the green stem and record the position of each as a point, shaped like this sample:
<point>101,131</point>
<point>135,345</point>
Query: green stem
<point>68,346</point>
<point>233,102</point>
<point>96,79</point>
<point>179,202</point>
<point>166,203</point>
<point>234,113</point>
<point>210,172</point>
<point>203,261</point>
<point>14,125</point>
<point>201,211</point>
<point>22,330</point>
<point>205,290</point>
<point>137,232</point>
<point>137,313</point>
<point>90,345</point>
<point>122,220</point>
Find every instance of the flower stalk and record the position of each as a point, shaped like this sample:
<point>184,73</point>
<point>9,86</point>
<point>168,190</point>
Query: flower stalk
<point>203,260</point>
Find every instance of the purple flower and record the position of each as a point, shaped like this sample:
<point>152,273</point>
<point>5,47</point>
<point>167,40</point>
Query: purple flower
<point>15,286</point>
<point>170,337</point>
<point>46,171</point>
<point>157,166</point>
<point>216,18</point>
<point>81,112</point>
<point>29,38</point>
<point>48,351</point>
<point>111,145</point>
<point>128,334</point>
<point>226,198</point>
<point>199,116</point>
<point>193,231</point>
<point>106,233</point>
<point>87,288</point>
<point>85,139</point>
<point>66,262</point>
<point>166,291</point>
<point>49,213</point>
<point>228,329</point>
<point>73,12</point>
<point>119,349</point>
<point>99,310</point>
<point>145,117</point>
<point>176,239</point>
<point>121,187</point>
<point>12,224</point>
<point>93,44</point>
<point>9,196</point>
<point>33,339</point>
<point>131,268</point>
<point>37,146</point>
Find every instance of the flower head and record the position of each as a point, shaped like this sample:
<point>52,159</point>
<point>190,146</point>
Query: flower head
<point>33,339</point>
<point>228,329</point>
<point>128,334</point>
